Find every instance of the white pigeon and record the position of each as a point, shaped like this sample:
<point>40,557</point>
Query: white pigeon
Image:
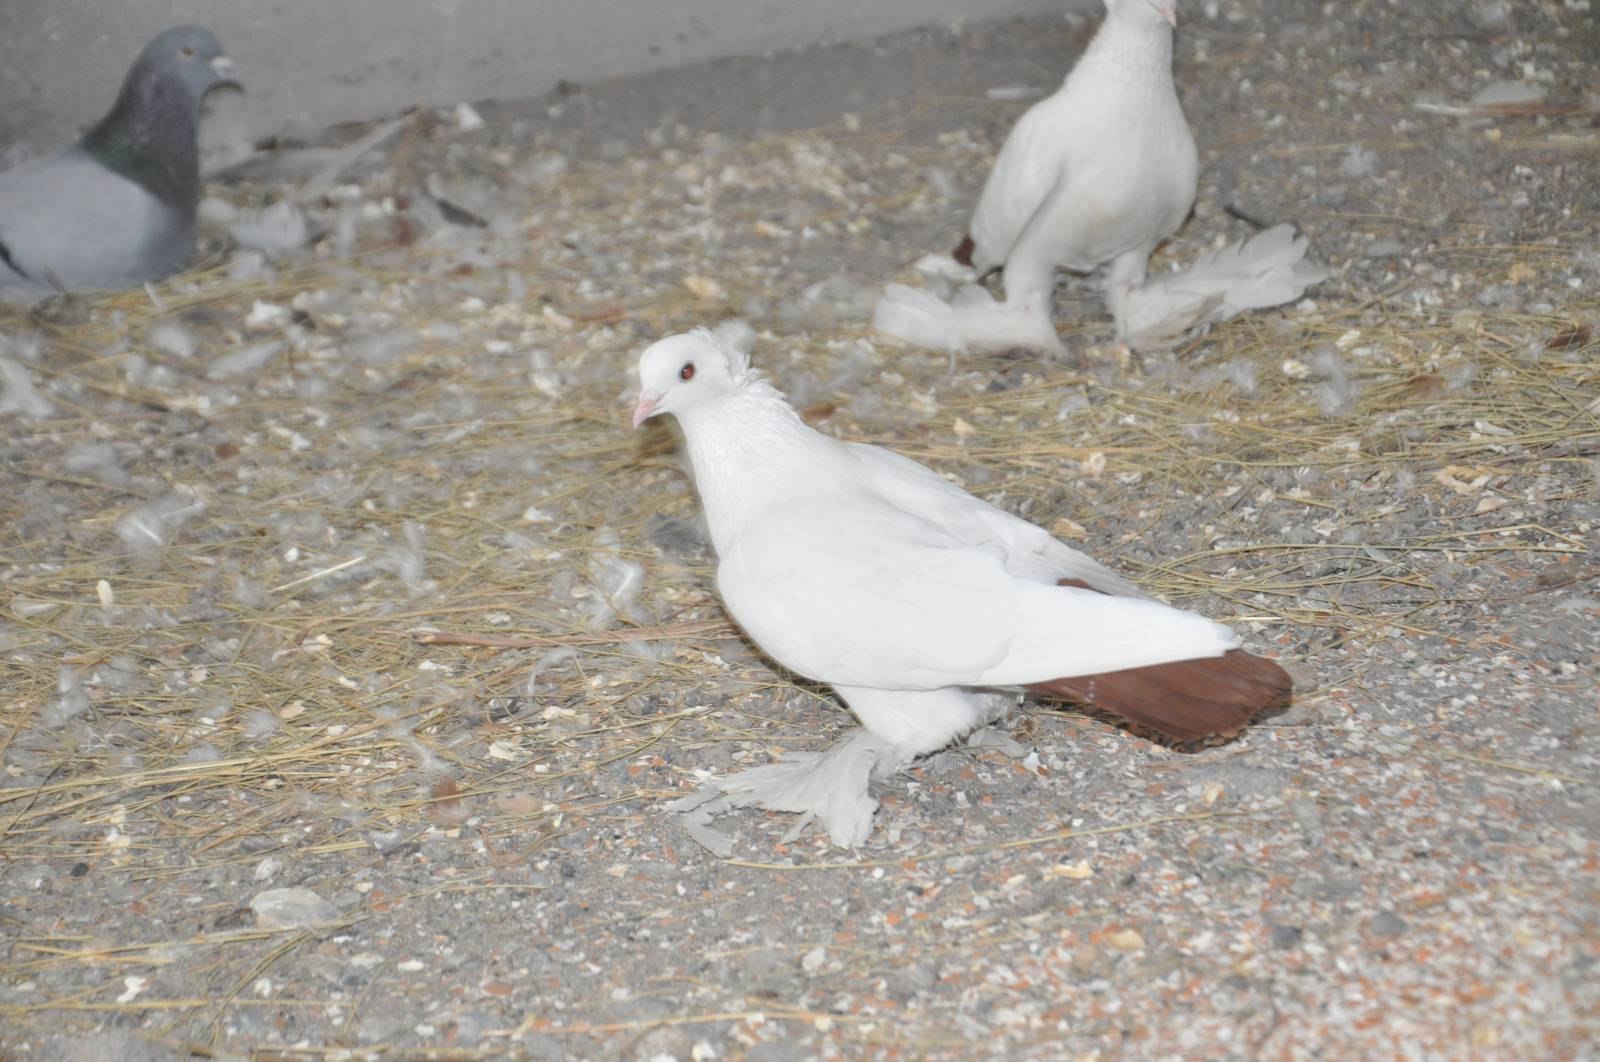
<point>1092,177</point>
<point>918,603</point>
<point>117,208</point>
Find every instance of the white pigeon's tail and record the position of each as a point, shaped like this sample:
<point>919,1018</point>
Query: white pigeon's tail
<point>1184,699</point>
<point>1268,269</point>
<point>973,320</point>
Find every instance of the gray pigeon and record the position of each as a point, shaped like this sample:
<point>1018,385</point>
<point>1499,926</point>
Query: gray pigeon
<point>117,208</point>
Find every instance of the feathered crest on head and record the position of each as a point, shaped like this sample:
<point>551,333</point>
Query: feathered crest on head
<point>734,339</point>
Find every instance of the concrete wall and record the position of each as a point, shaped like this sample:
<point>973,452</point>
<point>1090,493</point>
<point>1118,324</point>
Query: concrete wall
<point>307,63</point>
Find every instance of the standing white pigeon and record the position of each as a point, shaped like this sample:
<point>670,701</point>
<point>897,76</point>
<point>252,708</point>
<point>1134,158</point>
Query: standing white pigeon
<point>915,601</point>
<point>1093,176</point>
<point>118,207</point>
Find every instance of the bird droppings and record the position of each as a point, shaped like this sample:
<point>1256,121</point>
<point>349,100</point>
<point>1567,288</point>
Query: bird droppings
<point>1436,778</point>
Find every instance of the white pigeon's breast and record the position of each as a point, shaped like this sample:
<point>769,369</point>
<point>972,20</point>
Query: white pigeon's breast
<point>1131,185</point>
<point>1032,159</point>
<point>1085,180</point>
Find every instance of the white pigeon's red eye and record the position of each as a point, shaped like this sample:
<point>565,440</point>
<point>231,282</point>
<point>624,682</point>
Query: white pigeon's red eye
<point>687,372</point>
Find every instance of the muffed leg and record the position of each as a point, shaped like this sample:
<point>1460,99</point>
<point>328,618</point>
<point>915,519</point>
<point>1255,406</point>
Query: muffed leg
<point>1123,283</point>
<point>830,787</point>
<point>972,320</point>
<point>914,722</point>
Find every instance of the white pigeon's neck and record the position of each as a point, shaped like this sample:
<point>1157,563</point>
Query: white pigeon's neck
<point>747,449</point>
<point>1127,48</point>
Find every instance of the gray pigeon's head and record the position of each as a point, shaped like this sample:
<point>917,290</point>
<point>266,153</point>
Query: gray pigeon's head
<point>148,136</point>
<point>188,58</point>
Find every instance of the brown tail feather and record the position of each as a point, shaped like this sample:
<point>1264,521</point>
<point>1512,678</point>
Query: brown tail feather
<point>1186,699</point>
<point>963,251</point>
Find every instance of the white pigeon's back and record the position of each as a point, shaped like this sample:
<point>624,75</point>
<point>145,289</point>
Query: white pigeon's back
<point>1030,552</point>
<point>900,601</point>
<point>68,220</point>
<point>1064,631</point>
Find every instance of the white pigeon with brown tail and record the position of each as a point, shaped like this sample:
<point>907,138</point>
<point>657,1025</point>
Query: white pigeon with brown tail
<point>924,608</point>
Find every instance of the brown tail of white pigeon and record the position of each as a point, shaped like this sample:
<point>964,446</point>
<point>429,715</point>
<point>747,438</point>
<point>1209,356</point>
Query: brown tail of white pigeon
<point>1268,269</point>
<point>1184,700</point>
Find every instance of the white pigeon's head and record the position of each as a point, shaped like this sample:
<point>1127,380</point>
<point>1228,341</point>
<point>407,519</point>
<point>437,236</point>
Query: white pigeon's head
<point>1145,10</point>
<point>683,371</point>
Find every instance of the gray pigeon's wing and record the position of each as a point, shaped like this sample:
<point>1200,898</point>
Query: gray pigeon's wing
<point>69,223</point>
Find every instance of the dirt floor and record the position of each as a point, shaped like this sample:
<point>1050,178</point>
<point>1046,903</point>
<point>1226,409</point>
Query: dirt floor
<point>332,567</point>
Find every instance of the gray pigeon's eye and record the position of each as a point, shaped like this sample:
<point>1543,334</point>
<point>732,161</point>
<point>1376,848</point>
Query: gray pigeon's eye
<point>687,372</point>
<point>187,51</point>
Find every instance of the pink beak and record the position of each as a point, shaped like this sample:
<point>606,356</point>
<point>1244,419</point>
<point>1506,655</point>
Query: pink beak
<point>645,409</point>
<point>1168,9</point>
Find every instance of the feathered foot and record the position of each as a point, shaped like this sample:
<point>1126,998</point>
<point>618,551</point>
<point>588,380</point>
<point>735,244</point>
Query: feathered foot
<point>1268,269</point>
<point>918,317</point>
<point>829,787</point>
<point>973,320</point>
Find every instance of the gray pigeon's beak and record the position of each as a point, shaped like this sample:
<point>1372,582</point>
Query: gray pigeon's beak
<point>224,69</point>
<point>645,409</point>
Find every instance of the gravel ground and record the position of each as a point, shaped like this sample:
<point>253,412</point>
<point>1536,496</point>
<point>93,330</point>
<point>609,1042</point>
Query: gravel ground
<point>337,572</point>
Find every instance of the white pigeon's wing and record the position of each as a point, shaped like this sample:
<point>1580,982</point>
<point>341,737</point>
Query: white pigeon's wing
<point>71,222</point>
<point>859,593</point>
<point>1029,551</point>
<point>1032,164</point>
<point>1068,631</point>
<point>866,595</point>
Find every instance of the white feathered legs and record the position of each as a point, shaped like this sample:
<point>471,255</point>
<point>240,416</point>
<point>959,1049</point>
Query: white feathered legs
<point>1151,313</point>
<point>831,787</point>
<point>1268,269</point>
<point>972,320</point>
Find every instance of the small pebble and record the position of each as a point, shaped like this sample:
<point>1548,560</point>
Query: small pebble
<point>1387,924</point>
